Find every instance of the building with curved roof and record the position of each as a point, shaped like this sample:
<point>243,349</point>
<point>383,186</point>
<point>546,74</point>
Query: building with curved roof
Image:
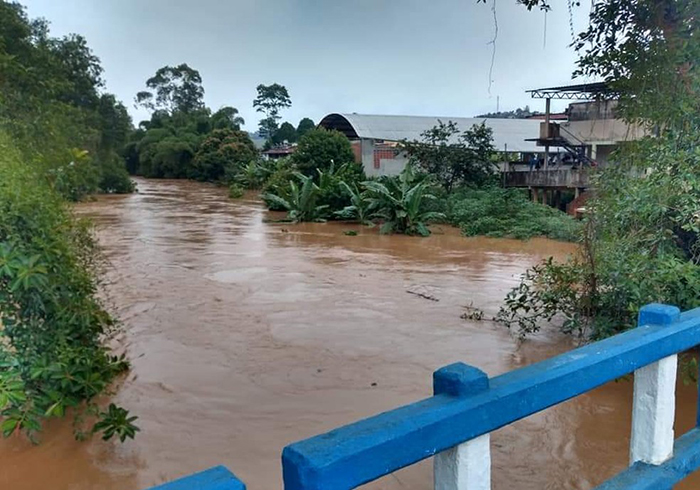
<point>375,137</point>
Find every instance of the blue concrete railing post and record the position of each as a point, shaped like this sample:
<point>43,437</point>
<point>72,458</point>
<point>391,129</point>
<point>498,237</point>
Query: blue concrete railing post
<point>217,478</point>
<point>654,405</point>
<point>466,466</point>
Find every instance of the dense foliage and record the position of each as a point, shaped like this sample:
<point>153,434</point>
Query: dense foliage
<point>222,154</point>
<point>321,148</point>
<point>51,100</point>
<point>640,238</point>
<point>400,203</point>
<point>60,138</point>
<point>498,212</point>
<point>184,138</point>
<point>52,355</point>
<point>453,157</point>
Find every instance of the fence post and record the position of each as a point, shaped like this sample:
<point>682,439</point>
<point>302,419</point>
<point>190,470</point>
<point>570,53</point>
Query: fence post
<point>468,465</point>
<point>654,405</point>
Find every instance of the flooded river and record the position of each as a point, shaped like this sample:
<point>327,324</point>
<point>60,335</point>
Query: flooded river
<point>245,336</point>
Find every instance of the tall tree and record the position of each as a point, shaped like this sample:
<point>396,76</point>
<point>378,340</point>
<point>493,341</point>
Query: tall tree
<point>270,100</point>
<point>227,118</point>
<point>286,132</point>
<point>173,89</point>
<point>305,125</point>
<point>452,157</point>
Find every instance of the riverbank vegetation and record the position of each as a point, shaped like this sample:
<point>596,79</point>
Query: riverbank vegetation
<point>60,137</point>
<point>450,178</point>
<point>640,235</point>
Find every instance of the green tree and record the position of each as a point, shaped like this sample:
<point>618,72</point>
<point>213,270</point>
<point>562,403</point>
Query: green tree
<point>454,158</point>
<point>227,118</point>
<point>286,132</point>
<point>172,89</point>
<point>224,153</point>
<point>270,100</point>
<point>305,125</point>
<point>319,149</point>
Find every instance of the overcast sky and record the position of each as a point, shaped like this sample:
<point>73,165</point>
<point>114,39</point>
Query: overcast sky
<point>416,57</point>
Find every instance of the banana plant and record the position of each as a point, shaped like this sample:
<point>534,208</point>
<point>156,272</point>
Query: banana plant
<point>401,201</point>
<point>360,207</point>
<point>301,201</point>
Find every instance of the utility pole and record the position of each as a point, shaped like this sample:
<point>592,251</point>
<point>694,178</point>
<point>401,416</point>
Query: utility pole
<point>548,133</point>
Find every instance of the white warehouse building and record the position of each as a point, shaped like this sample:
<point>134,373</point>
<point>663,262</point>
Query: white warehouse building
<point>375,138</point>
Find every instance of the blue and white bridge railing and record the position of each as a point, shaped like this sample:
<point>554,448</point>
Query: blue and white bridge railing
<point>453,425</point>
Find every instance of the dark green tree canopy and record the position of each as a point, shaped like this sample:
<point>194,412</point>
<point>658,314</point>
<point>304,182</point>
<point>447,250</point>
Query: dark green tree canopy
<point>452,157</point>
<point>227,118</point>
<point>224,151</point>
<point>286,132</point>
<point>649,51</point>
<point>319,149</point>
<point>305,125</point>
<point>270,100</point>
<point>173,89</point>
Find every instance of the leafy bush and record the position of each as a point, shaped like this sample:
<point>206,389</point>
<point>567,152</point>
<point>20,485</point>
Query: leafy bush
<point>225,152</point>
<point>235,191</point>
<point>255,174</point>
<point>401,202</point>
<point>360,207</point>
<point>114,179</point>
<point>51,351</point>
<point>278,184</point>
<point>318,149</point>
<point>301,201</point>
<point>332,182</point>
<point>452,157</point>
<point>498,212</point>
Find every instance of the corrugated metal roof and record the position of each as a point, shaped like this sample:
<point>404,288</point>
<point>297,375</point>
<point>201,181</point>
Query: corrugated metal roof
<point>511,132</point>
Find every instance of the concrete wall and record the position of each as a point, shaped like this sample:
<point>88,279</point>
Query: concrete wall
<point>387,166</point>
<point>603,131</point>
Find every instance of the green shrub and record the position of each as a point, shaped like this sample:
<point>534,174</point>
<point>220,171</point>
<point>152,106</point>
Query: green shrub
<point>235,191</point>
<point>318,149</point>
<point>401,202</point>
<point>278,184</point>
<point>114,178</point>
<point>225,152</point>
<point>498,212</point>
<point>301,201</point>
<point>331,183</point>
<point>52,355</point>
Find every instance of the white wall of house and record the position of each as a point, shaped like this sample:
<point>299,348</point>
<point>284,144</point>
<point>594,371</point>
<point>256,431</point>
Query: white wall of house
<point>387,166</point>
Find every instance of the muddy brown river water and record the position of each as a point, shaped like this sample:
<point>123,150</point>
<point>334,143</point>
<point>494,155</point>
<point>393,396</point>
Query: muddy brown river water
<point>246,336</point>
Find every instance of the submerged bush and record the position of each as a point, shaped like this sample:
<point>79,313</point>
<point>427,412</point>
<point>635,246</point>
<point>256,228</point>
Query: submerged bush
<point>498,212</point>
<point>278,184</point>
<point>235,191</point>
<point>52,355</point>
